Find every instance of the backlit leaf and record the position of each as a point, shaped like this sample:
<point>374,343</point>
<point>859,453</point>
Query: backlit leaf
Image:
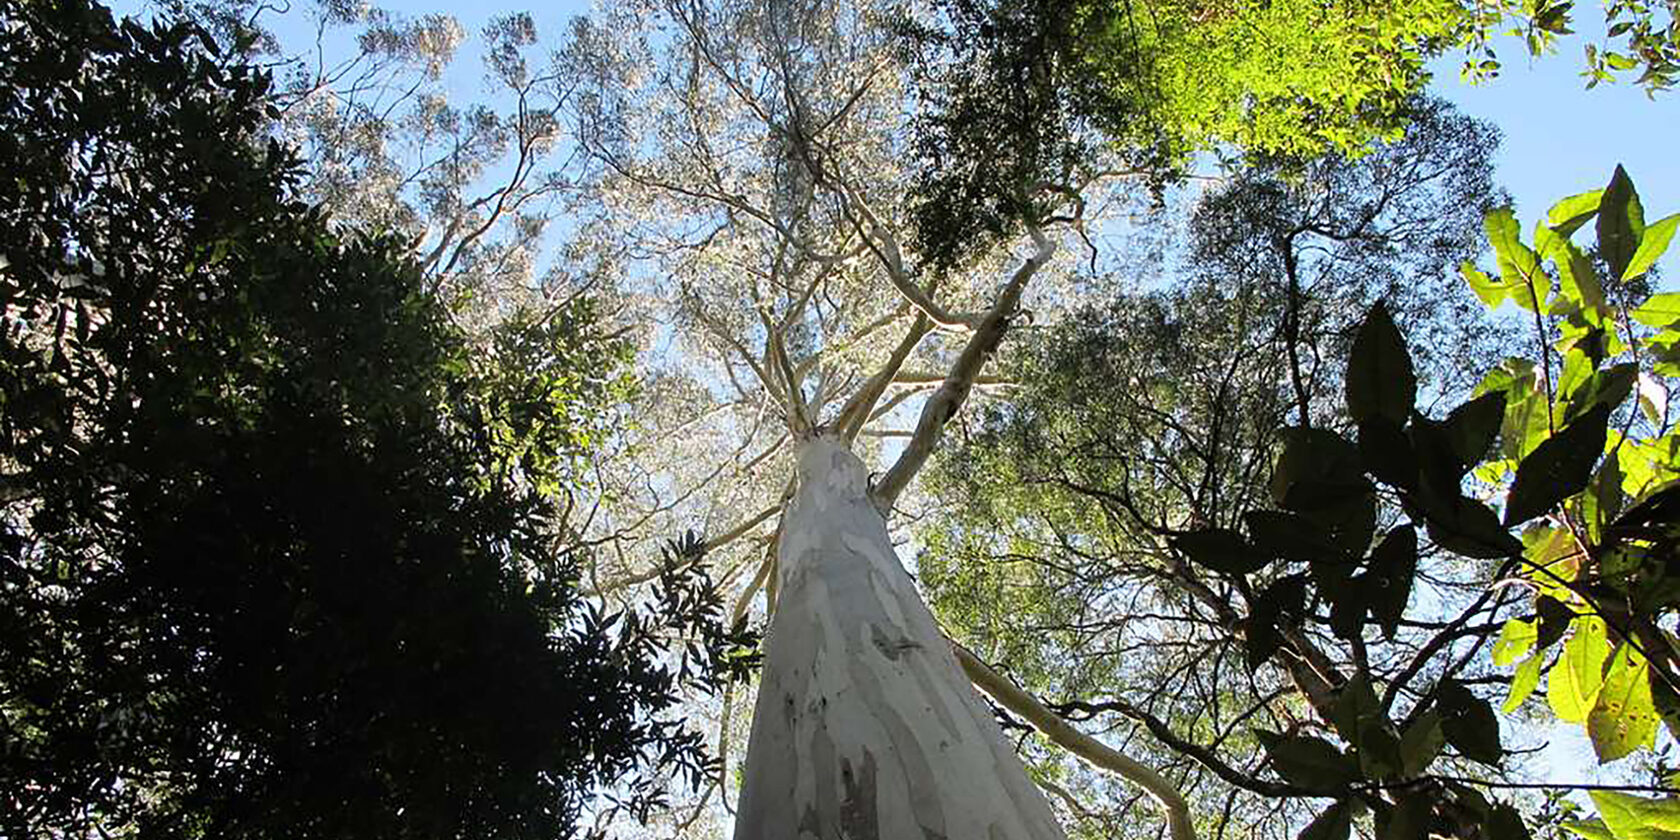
<point>1621,222</point>
<point>1380,381</point>
<point>1558,468</point>
<point>1624,718</point>
<point>1573,683</point>
<point>1651,246</point>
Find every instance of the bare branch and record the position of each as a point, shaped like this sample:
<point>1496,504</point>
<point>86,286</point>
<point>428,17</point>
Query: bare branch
<point>943,405</point>
<point>1066,736</point>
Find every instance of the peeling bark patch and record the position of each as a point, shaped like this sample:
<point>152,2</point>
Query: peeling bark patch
<point>858,814</point>
<point>889,647</point>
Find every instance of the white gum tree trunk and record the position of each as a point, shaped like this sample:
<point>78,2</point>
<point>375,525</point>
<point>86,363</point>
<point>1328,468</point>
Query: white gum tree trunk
<point>866,727</point>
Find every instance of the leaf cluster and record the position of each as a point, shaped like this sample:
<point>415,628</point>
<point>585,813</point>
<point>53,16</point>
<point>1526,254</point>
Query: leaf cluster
<point>281,553</point>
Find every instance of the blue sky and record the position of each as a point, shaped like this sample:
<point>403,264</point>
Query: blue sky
<point>1561,139</point>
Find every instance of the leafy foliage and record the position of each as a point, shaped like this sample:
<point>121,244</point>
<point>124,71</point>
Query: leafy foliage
<point>280,554</point>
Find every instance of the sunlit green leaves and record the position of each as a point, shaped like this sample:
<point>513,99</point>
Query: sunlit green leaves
<point>1626,817</point>
<point>1624,718</point>
<point>1515,640</point>
<point>1574,682</point>
<point>1652,245</point>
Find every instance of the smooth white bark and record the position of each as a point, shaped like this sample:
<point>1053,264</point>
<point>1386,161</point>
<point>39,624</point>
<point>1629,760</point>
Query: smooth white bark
<point>866,727</point>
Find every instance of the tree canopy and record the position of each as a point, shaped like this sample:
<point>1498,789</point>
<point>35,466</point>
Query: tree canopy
<point>282,548</point>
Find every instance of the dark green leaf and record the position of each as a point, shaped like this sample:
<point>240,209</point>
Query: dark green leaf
<point>1289,535</point>
<point>1506,824</point>
<point>1609,387</point>
<point>1558,468</point>
<point>1472,427</point>
<point>1408,819</point>
<point>1380,382</point>
<point>1221,550</point>
<point>1311,763</point>
<point>1393,565</point>
<point>1621,221</point>
<point>1420,743</point>
<point>1387,453</point>
<point>1469,724</point>
<point>1333,823</point>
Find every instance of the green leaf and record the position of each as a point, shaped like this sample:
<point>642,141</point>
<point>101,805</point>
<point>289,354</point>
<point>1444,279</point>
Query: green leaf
<point>1558,468</point>
<point>1470,724</point>
<point>1506,824</point>
<point>1421,743</point>
<point>1515,640</point>
<point>1651,246</point>
<point>1380,381</point>
<point>1472,427</point>
<point>1637,818</point>
<point>1609,387</point>
<point>1568,215</point>
<point>1333,823</point>
<point>1355,703</point>
<point>1624,718</point>
<point>1659,311</point>
<point>1387,452</point>
<point>1578,282</point>
<point>1590,829</point>
<point>1527,421</point>
<point>1409,819</point>
<point>1311,763</point>
<point>1523,683</point>
<point>1520,274</point>
<point>1621,220</point>
<point>1573,683</point>
<point>1389,582</point>
<point>1221,550</point>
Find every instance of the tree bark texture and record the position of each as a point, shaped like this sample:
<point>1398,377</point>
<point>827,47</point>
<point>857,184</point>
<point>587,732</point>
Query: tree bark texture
<point>866,727</point>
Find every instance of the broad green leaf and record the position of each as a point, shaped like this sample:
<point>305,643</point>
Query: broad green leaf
<point>1603,500</point>
<point>1409,819</point>
<point>1577,369</point>
<point>1558,468</point>
<point>1624,718</point>
<point>1527,421</point>
<point>1636,818</point>
<point>1590,829</point>
<point>1504,823</point>
<point>1221,550</point>
<point>1470,724</point>
<point>1356,703</point>
<point>1578,281</point>
<point>1490,291</point>
<point>1523,682</point>
<point>1312,763</point>
<point>1420,743</point>
<point>1520,273</point>
<point>1515,640</point>
<point>1380,381</point>
<point>1608,387</point>
<point>1393,565</point>
<point>1659,311</point>
<point>1573,683</point>
<point>1334,823</point>
<point>1472,427</point>
<point>1568,215</point>
<point>1621,223</point>
<point>1651,246</point>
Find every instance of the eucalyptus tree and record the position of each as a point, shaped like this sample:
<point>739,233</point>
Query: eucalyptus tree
<point>1060,552</point>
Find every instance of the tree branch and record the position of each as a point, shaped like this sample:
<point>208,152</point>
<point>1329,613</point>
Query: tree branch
<point>943,405</point>
<point>1063,734</point>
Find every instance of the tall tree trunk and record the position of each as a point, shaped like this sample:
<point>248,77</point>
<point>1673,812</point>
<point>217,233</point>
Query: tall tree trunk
<point>866,727</point>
